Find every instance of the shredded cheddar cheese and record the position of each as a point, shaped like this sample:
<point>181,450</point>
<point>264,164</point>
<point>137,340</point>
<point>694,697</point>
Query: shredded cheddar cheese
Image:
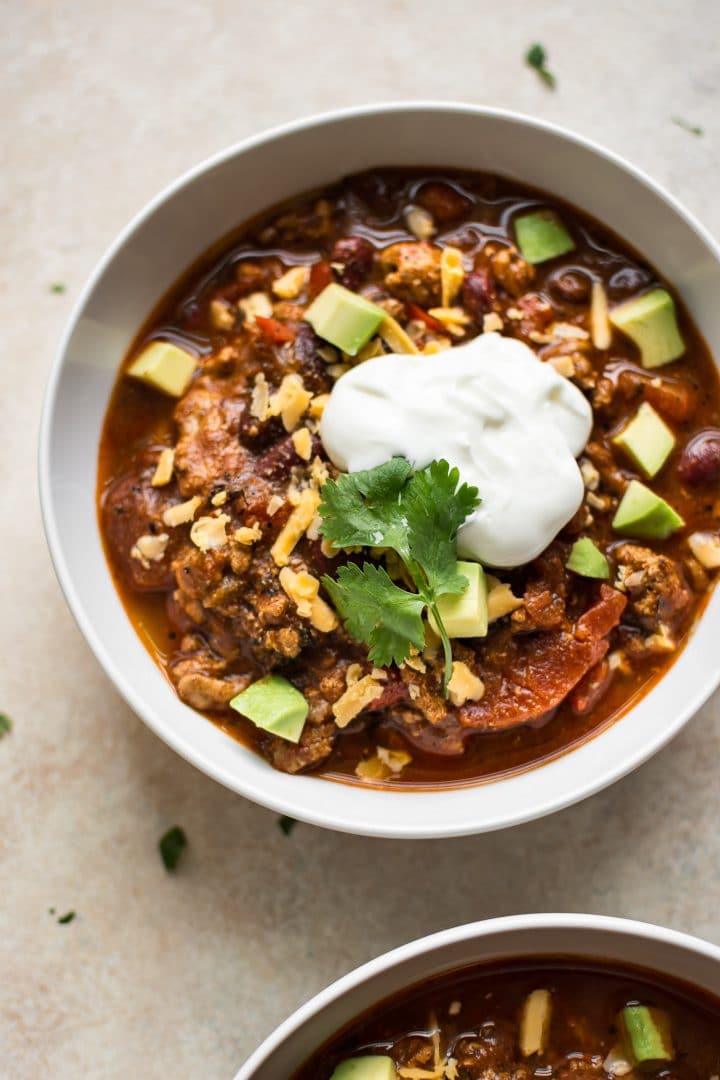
<point>257,303</point>
<point>164,469</point>
<point>395,337</point>
<point>356,698</point>
<point>290,401</point>
<point>295,526</point>
<point>149,548</point>
<point>302,441</point>
<point>247,535</point>
<point>181,513</point>
<point>464,685</point>
<point>292,282</point>
<point>209,532</point>
<point>601,330</point>
<point>452,275</point>
<point>260,400</point>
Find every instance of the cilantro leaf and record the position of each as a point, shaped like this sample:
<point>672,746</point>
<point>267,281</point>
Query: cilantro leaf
<point>694,129</point>
<point>436,505</point>
<point>66,918</point>
<point>57,287</point>
<point>286,824</point>
<point>5,725</point>
<point>375,610</point>
<point>362,507</point>
<point>171,846</point>
<point>536,58</point>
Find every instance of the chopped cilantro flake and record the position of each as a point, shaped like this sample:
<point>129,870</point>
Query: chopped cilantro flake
<point>5,725</point>
<point>171,846</point>
<point>286,824</point>
<point>66,918</point>
<point>694,129</point>
<point>536,58</point>
<point>58,287</point>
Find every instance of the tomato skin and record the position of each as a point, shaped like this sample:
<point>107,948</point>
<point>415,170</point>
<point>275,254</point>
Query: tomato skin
<point>274,332</point>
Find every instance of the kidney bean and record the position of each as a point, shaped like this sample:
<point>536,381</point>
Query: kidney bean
<point>700,460</point>
<point>629,280</point>
<point>477,294</point>
<point>356,256</point>
<point>443,202</point>
<point>311,365</point>
<point>570,286</point>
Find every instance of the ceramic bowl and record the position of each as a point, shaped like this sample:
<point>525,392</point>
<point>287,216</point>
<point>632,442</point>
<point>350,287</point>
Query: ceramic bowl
<point>176,228</point>
<point>518,936</point>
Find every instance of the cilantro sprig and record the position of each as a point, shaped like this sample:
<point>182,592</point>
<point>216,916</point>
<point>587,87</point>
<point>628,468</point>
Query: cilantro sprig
<point>536,57</point>
<point>415,514</point>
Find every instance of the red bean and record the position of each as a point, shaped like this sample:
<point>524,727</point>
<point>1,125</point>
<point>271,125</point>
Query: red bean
<point>477,294</point>
<point>443,202</point>
<point>356,256</point>
<point>570,286</point>
<point>700,460</point>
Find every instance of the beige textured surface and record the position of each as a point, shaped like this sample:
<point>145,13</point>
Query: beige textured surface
<point>162,976</point>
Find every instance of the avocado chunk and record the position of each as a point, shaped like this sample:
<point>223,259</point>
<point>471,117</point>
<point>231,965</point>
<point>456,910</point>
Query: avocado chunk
<point>165,366</point>
<point>466,615</point>
<point>645,515</point>
<point>587,560</point>
<point>273,704</point>
<point>343,318</point>
<point>542,236</point>
<point>647,439</point>
<point>650,321</point>
<point>646,1035</point>
<point>376,1067</point>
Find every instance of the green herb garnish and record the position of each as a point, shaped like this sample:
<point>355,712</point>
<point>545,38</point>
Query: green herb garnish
<point>67,918</point>
<point>694,129</point>
<point>58,287</point>
<point>536,58</point>
<point>5,725</point>
<point>286,824</point>
<point>415,514</point>
<point>171,846</point>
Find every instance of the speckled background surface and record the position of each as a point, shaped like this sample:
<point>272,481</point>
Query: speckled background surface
<point>182,976</point>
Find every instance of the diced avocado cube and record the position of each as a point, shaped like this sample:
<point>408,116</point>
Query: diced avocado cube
<point>542,236</point>
<point>647,439</point>
<point>273,704</point>
<point>343,318</point>
<point>646,1035</point>
<point>645,515</point>
<point>651,322</point>
<point>372,1067</point>
<point>466,615</point>
<point>587,560</point>
<point>165,366</point>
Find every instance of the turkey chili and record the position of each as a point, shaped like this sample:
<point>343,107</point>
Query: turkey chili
<point>415,480</point>
<point>527,1020</point>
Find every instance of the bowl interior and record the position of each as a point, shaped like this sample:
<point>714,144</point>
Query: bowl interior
<point>586,936</point>
<point>178,227</point>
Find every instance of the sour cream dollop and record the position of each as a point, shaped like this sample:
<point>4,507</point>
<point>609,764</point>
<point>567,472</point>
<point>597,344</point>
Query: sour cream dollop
<point>508,421</point>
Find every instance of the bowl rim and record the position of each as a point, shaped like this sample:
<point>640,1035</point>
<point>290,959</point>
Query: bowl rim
<point>289,804</point>
<point>470,932</point>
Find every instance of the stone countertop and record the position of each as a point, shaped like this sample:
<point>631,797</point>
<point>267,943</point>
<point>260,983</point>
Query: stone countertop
<point>183,975</point>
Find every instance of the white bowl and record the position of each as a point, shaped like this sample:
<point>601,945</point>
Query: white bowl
<point>623,941</point>
<point>178,226</point>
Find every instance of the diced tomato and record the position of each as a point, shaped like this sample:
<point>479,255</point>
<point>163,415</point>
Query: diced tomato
<point>415,312</point>
<point>321,275</point>
<point>274,332</point>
